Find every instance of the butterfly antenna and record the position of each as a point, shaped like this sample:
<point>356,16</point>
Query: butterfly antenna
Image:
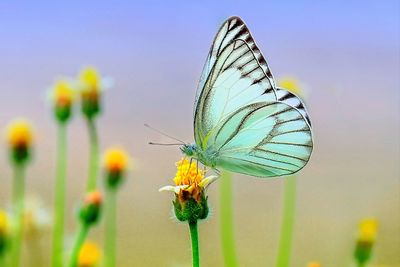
<point>162,144</point>
<point>162,133</point>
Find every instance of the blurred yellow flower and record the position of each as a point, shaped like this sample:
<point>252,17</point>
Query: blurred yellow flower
<point>62,94</point>
<point>37,218</point>
<point>93,198</point>
<point>314,264</point>
<point>116,160</point>
<point>90,77</point>
<point>19,134</point>
<point>3,223</point>
<point>89,255</point>
<point>367,230</point>
<point>292,85</point>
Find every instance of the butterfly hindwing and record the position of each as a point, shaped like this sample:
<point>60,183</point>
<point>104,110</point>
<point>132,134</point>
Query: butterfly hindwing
<point>291,99</point>
<point>264,139</point>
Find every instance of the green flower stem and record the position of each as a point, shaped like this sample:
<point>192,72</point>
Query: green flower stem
<point>59,206</point>
<point>194,236</point>
<point>83,232</point>
<point>226,220</point>
<point>94,156</point>
<point>110,227</point>
<point>289,205</point>
<point>18,209</point>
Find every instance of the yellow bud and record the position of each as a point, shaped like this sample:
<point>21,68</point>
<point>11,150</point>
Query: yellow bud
<point>89,255</point>
<point>367,230</point>
<point>116,160</point>
<point>19,133</point>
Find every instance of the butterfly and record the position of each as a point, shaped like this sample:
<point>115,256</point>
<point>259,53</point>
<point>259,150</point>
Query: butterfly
<point>243,122</point>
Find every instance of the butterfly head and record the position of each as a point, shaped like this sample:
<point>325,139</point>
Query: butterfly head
<point>189,149</point>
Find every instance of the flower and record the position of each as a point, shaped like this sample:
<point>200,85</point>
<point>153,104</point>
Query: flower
<point>3,222</point>
<point>91,84</point>
<point>62,96</point>
<point>190,200</point>
<point>37,218</point>
<point>20,139</point>
<point>314,264</point>
<point>366,237</point>
<point>89,255</point>
<point>367,230</point>
<point>116,162</point>
<point>4,228</point>
<point>90,210</point>
<point>292,85</point>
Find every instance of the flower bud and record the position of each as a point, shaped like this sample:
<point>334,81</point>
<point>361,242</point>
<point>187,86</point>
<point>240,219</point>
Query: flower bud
<point>91,92</point>
<point>20,138</point>
<point>62,98</point>
<point>116,163</point>
<point>3,232</point>
<point>89,255</point>
<point>91,208</point>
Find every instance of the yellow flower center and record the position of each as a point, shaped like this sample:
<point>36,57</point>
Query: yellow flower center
<point>367,230</point>
<point>19,133</point>
<point>188,173</point>
<point>314,264</point>
<point>89,255</point>
<point>63,93</point>
<point>90,78</point>
<point>292,85</point>
<point>116,160</point>
<point>3,223</point>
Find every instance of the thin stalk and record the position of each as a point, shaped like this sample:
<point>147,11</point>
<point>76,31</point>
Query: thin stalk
<point>18,209</point>
<point>59,207</point>
<point>110,227</point>
<point>289,205</point>
<point>194,236</point>
<point>226,221</point>
<point>78,244</point>
<point>94,156</point>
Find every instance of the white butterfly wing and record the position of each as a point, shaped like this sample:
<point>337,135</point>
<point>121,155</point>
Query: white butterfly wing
<point>291,99</point>
<point>264,139</point>
<point>238,115</point>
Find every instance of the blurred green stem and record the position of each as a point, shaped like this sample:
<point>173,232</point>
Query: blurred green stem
<point>194,236</point>
<point>226,219</point>
<point>94,156</point>
<point>18,210</point>
<point>78,244</point>
<point>110,227</point>
<point>288,218</point>
<point>59,206</point>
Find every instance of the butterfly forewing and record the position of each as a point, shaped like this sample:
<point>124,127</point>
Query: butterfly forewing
<point>233,29</point>
<point>236,80</point>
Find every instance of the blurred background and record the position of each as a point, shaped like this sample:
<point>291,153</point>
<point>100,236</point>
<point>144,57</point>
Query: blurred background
<point>347,53</point>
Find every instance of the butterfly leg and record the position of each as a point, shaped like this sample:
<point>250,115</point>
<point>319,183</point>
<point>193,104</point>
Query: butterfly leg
<point>190,165</point>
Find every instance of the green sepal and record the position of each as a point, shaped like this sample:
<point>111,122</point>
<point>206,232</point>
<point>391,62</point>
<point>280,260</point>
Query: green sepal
<point>3,244</point>
<point>90,107</point>
<point>90,214</point>
<point>62,113</point>
<point>191,210</point>
<point>114,179</point>
<point>20,154</point>
<point>363,252</point>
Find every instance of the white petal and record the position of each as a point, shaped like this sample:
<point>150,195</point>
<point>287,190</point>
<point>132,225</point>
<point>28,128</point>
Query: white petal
<point>106,83</point>
<point>175,189</point>
<point>208,180</point>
